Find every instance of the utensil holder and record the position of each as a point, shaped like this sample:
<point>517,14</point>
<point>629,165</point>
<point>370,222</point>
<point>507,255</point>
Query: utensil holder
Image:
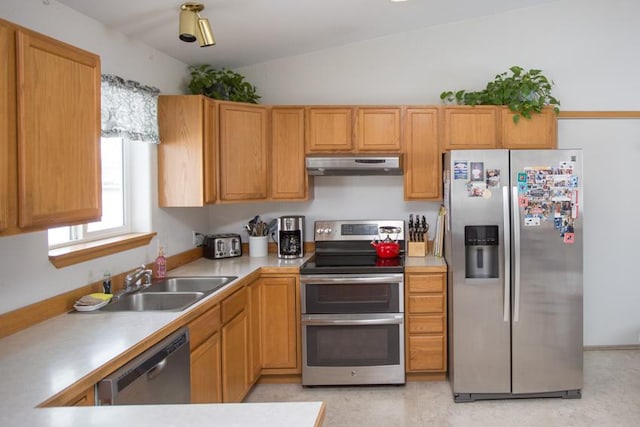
<point>258,246</point>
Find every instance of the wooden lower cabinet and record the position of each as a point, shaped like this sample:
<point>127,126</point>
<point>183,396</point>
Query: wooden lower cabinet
<point>426,323</point>
<point>255,361</point>
<point>279,319</point>
<point>204,340</point>
<point>205,371</point>
<point>235,347</point>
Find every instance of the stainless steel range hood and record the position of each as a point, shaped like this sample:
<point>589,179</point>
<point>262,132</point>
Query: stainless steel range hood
<point>353,164</point>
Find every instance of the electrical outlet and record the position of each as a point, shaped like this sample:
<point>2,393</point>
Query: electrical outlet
<point>195,238</point>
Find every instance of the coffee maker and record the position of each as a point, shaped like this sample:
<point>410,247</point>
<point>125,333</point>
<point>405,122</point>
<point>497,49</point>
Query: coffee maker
<point>290,236</point>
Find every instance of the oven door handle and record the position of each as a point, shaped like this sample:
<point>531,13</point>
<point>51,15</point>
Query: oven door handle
<point>354,322</point>
<point>341,280</point>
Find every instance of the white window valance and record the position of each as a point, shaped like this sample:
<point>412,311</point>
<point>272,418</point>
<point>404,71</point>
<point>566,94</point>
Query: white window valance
<point>129,110</point>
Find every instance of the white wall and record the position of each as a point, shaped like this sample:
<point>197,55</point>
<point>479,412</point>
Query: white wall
<point>26,275</point>
<point>587,47</point>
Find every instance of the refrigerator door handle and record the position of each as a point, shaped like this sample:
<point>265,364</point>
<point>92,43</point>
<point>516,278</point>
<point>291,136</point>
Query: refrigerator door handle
<point>507,254</point>
<point>516,255</point>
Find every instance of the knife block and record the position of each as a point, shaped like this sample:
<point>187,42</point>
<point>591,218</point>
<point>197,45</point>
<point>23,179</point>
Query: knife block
<point>417,249</point>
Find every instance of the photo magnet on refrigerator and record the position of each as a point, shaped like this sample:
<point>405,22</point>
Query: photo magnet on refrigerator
<point>460,169</point>
<point>532,221</point>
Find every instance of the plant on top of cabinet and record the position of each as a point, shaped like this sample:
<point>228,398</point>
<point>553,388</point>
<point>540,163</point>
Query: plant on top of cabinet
<point>524,92</point>
<point>221,84</point>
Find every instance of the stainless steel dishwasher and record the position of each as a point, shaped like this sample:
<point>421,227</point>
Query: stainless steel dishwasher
<point>159,375</point>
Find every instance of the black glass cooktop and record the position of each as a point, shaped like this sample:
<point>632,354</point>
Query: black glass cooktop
<point>352,264</point>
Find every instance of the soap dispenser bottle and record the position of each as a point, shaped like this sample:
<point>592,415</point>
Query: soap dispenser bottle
<point>161,264</point>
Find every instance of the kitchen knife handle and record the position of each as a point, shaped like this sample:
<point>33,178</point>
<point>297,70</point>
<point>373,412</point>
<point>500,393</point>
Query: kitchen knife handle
<point>516,255</point>
<point>506,244</point>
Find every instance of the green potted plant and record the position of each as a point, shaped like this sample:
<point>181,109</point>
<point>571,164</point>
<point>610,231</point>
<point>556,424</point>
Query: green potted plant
<point>221,84</point>
<point>524,92</point>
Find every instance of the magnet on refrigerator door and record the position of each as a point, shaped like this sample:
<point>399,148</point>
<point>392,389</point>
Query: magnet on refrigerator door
<point>493,177</point>
<point>460,169</point>
<point>532,221</point>
<point>477,171</point>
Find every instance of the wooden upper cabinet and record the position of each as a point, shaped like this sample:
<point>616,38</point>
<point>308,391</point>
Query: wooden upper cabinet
<point>329,129</point>
<point>470,127</point>
<point>378,129</point>
<point>243,152</point>
<point>188,151</point>
<point>423,164</point>
<point>289,179</point>
<point>541,131</point>
<point>8,198</point>
<point>58,138</point>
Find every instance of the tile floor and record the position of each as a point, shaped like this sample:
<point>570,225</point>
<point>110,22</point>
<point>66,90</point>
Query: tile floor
<point>610,397</point>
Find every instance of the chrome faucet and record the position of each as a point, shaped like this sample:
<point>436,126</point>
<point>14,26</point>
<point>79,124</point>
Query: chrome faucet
<point>134,281</point>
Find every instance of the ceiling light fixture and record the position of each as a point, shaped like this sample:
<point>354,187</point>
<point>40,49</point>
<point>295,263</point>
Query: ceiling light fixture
<point>194,27</point>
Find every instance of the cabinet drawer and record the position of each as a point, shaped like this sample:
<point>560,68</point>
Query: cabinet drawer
<point>426,304</point>
<point>426,283</point>
<point>204,326</point>
<point>233,305</point>
<point>425,324</point>
<point>426,353</point>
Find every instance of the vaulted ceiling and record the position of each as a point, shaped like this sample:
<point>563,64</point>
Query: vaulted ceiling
<point>253,31</point>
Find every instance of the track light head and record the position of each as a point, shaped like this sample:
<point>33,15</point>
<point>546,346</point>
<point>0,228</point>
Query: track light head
<point>193,27</point>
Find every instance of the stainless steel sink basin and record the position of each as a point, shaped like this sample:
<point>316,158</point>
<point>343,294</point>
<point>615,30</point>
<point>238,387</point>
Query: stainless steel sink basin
<point>189,284</point>
<point>154,301</point>
<point>172,294</point>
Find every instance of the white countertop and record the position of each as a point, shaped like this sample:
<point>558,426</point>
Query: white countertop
<point>43,360</point>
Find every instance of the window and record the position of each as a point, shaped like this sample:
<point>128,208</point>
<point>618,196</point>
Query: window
<point>115,218</point>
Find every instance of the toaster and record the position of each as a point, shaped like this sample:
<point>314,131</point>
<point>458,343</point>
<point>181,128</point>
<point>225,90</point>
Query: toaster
<point>217,246</point>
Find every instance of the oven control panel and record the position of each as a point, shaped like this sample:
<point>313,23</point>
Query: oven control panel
<point>358,230</point>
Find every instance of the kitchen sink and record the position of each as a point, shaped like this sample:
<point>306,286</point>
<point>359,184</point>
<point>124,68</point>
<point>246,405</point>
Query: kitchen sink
<point>171,294</point>
<point>189,284</point>
<point>154,301</point>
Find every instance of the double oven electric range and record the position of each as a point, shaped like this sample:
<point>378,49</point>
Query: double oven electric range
<point>352,306</point>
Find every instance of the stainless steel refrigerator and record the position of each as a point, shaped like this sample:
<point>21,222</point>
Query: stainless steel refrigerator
<point>513,245</point>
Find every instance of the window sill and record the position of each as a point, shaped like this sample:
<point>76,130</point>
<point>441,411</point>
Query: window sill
<point>75,254</point>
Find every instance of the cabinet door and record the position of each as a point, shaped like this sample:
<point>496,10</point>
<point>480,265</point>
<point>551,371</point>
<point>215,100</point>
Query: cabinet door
<point>288,175</point>
<point>541,131</point>
<point>278,323</point>
<point>7,125</point>
<point>205,372</point>
<point>423,165</point>
<point>426,353</point>
<point>181,151</point>
<point>235,358</point>
<point>59,180</point>
<point>329,129</point>
<point>243,152</point>
<point>255,362</point>
<point>378,129</point>
<point>210,151</point>
<point>470,127</point>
